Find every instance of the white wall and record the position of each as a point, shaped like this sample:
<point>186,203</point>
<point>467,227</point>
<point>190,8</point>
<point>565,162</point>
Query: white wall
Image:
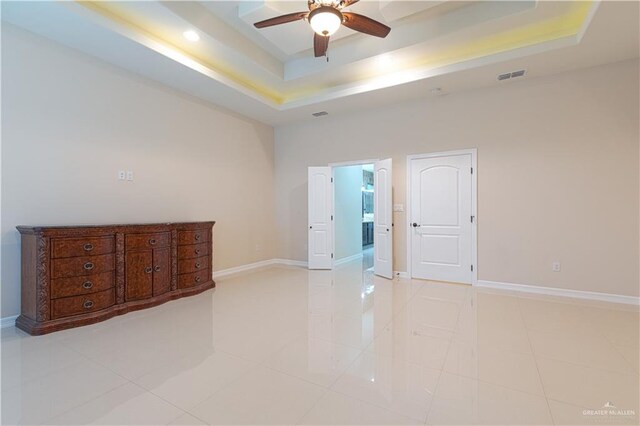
<point>347,185</point>
<point>557,173</point>
<point>69,123</point>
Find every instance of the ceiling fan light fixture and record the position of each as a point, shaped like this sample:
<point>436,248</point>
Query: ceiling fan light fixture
<point>325,20</point>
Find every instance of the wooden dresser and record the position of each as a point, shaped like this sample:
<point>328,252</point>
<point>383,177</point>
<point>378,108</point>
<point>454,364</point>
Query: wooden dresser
<point>78,275</point>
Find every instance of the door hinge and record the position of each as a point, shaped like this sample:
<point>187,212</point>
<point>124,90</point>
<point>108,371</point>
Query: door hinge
<point>472,217</point>
<point>471,268</point>
<point>332,255</point>
<point>331,180</point>
<point>331,217</point>
<point>472,170</point>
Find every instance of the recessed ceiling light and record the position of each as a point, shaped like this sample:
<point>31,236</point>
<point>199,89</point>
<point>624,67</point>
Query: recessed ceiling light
<point>191,35</point>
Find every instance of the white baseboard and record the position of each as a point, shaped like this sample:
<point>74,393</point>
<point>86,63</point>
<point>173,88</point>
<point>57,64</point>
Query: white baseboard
<point>242,268</point>
<point>8,321</point>
<point>290,262</point>
<point>401,274</point>
<point>347,259</point>
<point>230,271</point>
<point>561,292</point>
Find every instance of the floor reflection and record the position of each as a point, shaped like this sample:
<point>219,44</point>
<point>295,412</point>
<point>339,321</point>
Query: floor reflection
<point>286,345</point>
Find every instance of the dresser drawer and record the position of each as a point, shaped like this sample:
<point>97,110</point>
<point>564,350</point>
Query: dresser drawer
<point>70,247</point>
<point>193,237</point>
<point>193,250</point>
<point>148,241</point>
<point>193,265</point>
<point>76,286</point>
<point>193,279</point>
<point>78,305</point>
<point>80,266</point>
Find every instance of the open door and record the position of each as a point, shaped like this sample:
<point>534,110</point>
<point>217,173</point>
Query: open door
<point>320,208</point>
<point>383,219</point>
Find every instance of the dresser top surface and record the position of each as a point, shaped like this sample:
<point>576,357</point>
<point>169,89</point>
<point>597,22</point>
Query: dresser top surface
<point>103,227</point>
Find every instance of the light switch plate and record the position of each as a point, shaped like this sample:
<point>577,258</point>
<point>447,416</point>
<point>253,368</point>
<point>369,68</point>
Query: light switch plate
<point>121,175</point>
<point>129,175</point>
<point>398,207</point>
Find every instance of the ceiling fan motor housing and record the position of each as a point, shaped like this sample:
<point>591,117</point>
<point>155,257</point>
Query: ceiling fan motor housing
<point>324,10</point>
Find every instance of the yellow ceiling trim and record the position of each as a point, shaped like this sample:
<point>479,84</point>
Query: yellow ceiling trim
<point>529,35</point>
<point>102,8</point>
<point>566,25</point>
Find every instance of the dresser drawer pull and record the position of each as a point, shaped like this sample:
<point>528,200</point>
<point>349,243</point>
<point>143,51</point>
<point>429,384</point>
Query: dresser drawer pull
<point>156,268</point>
<point>88,304</point>
<point>197,237</point>
<point>87,285</point>
<point>88,247</point>
<point>89,266</point>
<point>197,279</point>
<point>198,265</point>
<point>148,269</point>
<point>197,251</point>
<point>152,241</point>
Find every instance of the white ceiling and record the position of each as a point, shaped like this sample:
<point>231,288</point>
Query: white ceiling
<point>272,76</point>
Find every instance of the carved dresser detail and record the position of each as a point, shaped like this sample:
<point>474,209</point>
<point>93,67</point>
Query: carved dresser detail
<point>79,275</point>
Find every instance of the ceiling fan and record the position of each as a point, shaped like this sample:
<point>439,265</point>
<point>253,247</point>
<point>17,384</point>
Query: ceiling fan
<point>325,17</point>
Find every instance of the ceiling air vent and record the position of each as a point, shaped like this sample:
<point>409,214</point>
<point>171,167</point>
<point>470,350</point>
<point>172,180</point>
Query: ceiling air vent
<point>320,113</point>
<point>509,75</point>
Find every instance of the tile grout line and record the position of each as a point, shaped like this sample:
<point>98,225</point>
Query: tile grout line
<point>455,327</point>
<point>362,352</point>
<point>600,333</point>
<point>85,359</point>
<point>535,360</point>
<point>128,381</point>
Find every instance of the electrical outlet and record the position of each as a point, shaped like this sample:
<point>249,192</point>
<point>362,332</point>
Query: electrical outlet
<point>129,175</point>
<point>555,266</point>
<point>121,175</point>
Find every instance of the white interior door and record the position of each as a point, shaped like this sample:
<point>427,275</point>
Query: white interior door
<point>383,219</point>
<point>440,218</point>
<point>320,208</point>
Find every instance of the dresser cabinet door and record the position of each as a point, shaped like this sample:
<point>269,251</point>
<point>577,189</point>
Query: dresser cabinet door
<point>139,267</point>
<point>161,271</point>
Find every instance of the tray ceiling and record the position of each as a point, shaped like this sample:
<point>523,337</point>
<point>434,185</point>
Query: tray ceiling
<point>275,66</point>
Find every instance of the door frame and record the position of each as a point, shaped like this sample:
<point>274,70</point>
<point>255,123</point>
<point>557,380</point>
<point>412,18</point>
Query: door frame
<point>474,205</point>
<point>333,194</point>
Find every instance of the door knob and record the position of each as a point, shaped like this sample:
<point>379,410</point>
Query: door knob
<point>415,225</point>
<point>156,268</point>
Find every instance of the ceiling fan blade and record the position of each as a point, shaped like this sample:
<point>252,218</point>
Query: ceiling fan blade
<point>365,25</point>
<point>320,45</point>
<point>281,19</point>
<point>347,3</point>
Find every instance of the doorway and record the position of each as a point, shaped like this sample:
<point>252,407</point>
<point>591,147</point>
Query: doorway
<point>353,187</point>
<point>442,238</point>
<point>324,246</point>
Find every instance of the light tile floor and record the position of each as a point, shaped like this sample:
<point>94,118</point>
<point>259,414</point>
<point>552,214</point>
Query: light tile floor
<point>285,345</point>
